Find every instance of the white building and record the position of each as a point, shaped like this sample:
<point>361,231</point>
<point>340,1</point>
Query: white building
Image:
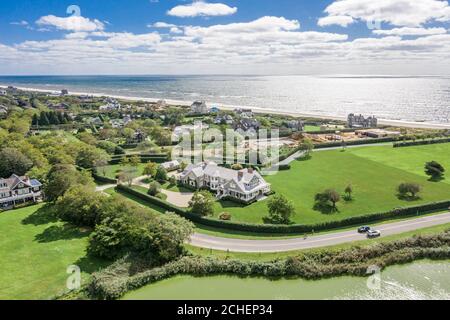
<point>246,185</point>
<point>17,190</point>
<point>171,165</point>
<point>199,107</point>
<point>180,131</point>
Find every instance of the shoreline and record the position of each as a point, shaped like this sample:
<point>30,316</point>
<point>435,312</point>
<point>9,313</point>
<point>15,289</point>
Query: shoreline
<point>387,122</point>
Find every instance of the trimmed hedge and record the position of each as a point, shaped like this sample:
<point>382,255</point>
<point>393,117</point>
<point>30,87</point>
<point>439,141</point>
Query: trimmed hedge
<point>420,143</point>
<point>157,158</point>
<point>103,179</point>
<point>297,228</point>
<point>354,142</point>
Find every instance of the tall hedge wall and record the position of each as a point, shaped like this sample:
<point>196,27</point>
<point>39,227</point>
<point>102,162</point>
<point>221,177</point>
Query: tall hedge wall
<point>297,228</point>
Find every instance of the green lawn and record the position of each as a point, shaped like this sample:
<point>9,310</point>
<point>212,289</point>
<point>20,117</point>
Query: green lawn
<point>35,252</point>
<point>374,172</point>
<point>411,159</point>
<point>111,170</point>
<point>309,128</point>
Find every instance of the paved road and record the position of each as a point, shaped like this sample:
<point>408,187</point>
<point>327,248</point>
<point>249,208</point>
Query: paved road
<point>261,246</point>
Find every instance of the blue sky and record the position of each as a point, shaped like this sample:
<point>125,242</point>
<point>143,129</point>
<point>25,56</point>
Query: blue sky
<point>228,36</point>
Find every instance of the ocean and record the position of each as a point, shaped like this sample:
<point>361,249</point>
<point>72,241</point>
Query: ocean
<point>422,99</point>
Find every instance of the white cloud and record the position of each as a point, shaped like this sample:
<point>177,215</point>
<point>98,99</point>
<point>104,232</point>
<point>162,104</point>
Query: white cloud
<point>342,21</point>
<point>260,46</point>
<point>405,13</point>
<point>161,25</point>
<point>72,23</point>
<point>201,8</point>
<point>405,31</point>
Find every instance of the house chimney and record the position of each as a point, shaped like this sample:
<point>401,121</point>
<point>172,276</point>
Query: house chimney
<point>240,175</point>
<point>250,170</point>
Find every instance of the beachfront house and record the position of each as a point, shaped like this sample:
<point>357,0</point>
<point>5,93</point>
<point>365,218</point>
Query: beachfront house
<point>246,125</point>
<point>171,165</point>
<point>295,125</point>
<point>3,92</point>
<point>359,121</point>
<point>199,107</point>
<point>64,92</point>
<point>244,113</point>
<point>17,190</point>
<point>245,185</point>
<point>224,119</point>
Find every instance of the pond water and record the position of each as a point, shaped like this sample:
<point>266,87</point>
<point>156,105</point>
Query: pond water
<point>422,280</point>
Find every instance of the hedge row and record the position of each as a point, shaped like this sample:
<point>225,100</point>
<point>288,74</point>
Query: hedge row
<point>103,179</point>
<point>420,142</point>
<point>116,280</point>
<point>297,228</point>
<point>355,142</point>
<point>157,158</point>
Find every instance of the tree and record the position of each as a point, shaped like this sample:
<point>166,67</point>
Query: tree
<point>150,169</point>
<point>329,195</point>
<point>307,147</point>
<point>89,155</point>
<point>280,210</point>
<point>63,177</point>
<point>128,175</point>
<point>202,203</point>
<point>13,162</point>
<point>409,190</point>
<point>134,161</point>
<point>80,206</point>
<point>124,161</point>
<point>154,189</point>
<point>435,170</point>
<point>349,192</point>
<point>173,181</point>
<point>161,174</point>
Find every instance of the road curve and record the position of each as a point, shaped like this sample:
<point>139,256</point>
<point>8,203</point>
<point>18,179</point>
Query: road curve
<point>266,246</point>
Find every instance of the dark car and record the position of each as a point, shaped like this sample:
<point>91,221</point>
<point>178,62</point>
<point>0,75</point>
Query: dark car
<point>363,229</point>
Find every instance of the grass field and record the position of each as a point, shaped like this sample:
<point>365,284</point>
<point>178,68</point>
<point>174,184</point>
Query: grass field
<point>110,171</point>
<point>374,172</point>
<point>35,252</point>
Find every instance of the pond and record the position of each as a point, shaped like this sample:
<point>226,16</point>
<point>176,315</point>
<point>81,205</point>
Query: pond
<point>419,280</point>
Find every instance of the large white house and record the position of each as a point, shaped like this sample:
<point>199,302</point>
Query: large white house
<point>245,185</point>
<point>17,190</point>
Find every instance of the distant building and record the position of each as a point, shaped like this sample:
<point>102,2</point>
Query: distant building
<point>296,125</point>
<point>160,104</point>
<point>214,110</point>
<point>224,119</point>
<point>246,185</point>
<point>64,92</point>
<point>246,124</point>
<point>199,107</point>
<point>359,121</point>
<point>62,107</point>
<point>378,133</point>
<point>188,129</point>
<point>244,113</point>
<point>171,165</point>
<point>18,190</point>
<point>3,92</point>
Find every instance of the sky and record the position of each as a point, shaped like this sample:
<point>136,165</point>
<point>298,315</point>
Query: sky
<point>280,37</point>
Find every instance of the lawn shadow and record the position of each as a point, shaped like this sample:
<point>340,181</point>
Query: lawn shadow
<point>91,264</point>
<point>43,215</point>
<point>436,179</point>
<point>61,232</point>
<point>325,208</point>
<point>409,198</point>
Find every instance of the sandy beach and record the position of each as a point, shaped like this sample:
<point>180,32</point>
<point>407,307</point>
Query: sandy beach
<point>386,122</point>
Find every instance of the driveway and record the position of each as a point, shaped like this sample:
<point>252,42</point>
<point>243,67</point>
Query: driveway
<point>261,246</point>
<point>179,199</point>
